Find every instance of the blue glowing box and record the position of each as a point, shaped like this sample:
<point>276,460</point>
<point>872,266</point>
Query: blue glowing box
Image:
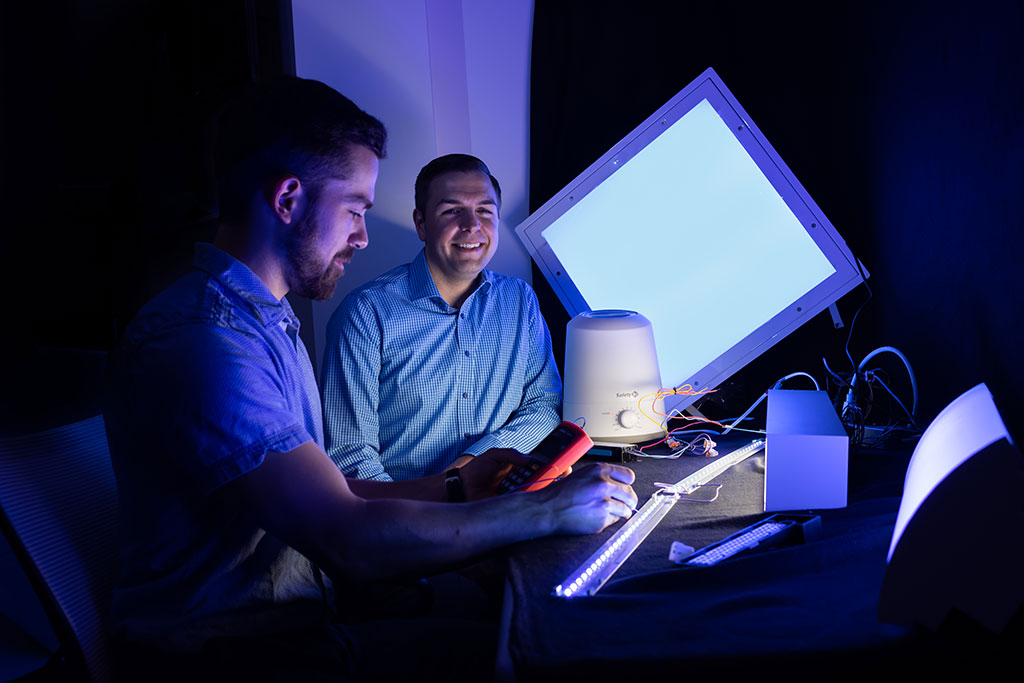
<point>806,452</point>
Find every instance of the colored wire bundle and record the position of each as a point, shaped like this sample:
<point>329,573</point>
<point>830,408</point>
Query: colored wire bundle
<point>684,390</point>
<point>701,445</point>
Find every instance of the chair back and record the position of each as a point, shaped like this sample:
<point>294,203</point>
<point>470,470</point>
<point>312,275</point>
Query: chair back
<point>58,508</point>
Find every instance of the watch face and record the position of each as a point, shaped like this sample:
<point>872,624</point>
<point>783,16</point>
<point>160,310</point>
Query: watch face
<point>453,486</point>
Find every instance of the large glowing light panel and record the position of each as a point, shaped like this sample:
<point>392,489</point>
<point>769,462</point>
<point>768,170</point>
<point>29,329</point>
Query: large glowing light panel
<point>695,222</point>
<point>599,567</point>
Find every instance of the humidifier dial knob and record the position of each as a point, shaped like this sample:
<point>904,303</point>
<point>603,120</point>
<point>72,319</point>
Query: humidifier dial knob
<point>628,418</point>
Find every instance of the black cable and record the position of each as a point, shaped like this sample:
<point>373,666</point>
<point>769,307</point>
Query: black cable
<point>854,321</point>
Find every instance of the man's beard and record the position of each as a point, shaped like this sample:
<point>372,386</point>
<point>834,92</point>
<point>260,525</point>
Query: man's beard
<point>309,277</point>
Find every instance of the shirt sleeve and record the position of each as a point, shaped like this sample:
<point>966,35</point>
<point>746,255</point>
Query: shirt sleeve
<point>540,409</point>
<point>211,402</point>
<point>350,384</point>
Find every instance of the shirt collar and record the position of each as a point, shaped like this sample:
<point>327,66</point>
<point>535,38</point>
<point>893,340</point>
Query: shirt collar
<point>422,284</point>
<point>237,277</point>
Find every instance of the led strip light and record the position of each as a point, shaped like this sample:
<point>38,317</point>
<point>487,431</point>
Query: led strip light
<point>600,566</point>
<point>746,540</point>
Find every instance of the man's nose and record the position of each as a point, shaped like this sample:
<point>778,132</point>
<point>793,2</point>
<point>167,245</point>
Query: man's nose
<point>358,238</point>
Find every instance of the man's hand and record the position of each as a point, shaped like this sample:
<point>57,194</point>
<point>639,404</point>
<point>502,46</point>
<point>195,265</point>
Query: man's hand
<point>596,495</point>
<point>482,474</point>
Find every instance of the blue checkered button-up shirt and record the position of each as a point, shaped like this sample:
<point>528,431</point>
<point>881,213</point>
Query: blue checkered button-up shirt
<point>410,383</point>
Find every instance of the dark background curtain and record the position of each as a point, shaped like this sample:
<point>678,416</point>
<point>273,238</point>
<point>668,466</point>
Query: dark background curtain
<point>104,124</point>
<point>902,120</point>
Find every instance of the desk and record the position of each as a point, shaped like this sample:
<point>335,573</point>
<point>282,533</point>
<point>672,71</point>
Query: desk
<point>751,613</point>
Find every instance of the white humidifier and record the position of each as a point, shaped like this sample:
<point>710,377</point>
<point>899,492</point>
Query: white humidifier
<point>610,366</point>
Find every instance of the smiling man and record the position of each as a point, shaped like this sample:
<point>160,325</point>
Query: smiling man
<point>439,360</point>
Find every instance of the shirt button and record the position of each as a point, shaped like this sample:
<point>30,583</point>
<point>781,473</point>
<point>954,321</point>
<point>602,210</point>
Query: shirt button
<point>466,352</point>
<point>468,436</point>
<point>465,394</point>
<point>462,315</point>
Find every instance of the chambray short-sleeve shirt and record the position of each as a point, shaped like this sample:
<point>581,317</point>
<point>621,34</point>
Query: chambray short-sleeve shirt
<point>411,383</point>
<point>210,375</point>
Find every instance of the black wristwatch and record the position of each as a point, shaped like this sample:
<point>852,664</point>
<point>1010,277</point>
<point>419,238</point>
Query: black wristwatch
<point>453,486</point>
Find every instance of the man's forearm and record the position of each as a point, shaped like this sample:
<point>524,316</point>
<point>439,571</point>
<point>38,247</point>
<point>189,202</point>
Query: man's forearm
<point>302,498</point>
<point>461,460</point>
<point>413,538</point>
<point>425,488</point>
<point>408,538</point>
<point>478,478</point>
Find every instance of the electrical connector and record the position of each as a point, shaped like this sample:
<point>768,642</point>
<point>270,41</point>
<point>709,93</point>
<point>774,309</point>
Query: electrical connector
<point>850,402</point>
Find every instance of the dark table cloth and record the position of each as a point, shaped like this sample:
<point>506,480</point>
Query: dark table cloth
<point>758,611</point>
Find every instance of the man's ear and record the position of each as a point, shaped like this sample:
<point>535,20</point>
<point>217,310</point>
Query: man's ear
<point>417,219</point>
<point>283,196</point>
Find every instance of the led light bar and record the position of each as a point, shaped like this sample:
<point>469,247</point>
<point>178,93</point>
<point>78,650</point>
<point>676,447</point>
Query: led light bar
<point>738,544</point>
<point>771,531</point>
<point>706,474</point>
<point>599,567</point>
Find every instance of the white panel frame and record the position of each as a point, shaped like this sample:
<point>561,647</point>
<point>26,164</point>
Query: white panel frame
<point>848,271</point>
